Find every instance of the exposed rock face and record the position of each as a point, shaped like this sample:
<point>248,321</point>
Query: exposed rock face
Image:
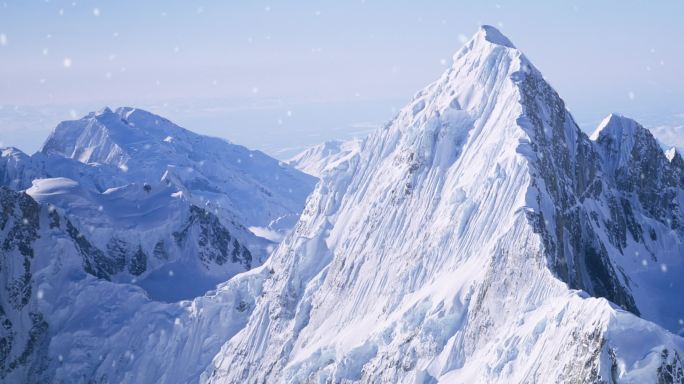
<point>568,174</point>
<point>23,328</point>
<point>638,167</point>
<point>215,242</point>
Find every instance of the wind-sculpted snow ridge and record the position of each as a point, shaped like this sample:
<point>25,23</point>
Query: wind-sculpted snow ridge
<point>479,237</point>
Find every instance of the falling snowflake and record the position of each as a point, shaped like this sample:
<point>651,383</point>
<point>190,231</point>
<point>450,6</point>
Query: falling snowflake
<point>96,12</point>
<point>462,38</point>
<point>40,294</point>
<point>3,39</point>
<point>45,51</point>
<point>66,62</point>
<point>255,90</point>
<point>663,267</point>
<point>644,262</point>
<point>171,273</point>
<point>631,95</point>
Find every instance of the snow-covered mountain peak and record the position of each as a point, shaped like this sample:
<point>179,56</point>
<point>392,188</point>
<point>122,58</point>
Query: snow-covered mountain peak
<point>494,36</point>
<point>483,74</point>
<point>443,245</point>
<point>106,136</point>
<point>615,125</point>
<point>622,141</point>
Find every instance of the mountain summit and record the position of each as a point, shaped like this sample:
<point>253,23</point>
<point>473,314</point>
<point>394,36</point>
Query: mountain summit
<point>478,237</point>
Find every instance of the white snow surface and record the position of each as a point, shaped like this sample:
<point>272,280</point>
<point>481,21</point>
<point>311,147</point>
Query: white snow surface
<point>671,153</point>
<point>325,156</point>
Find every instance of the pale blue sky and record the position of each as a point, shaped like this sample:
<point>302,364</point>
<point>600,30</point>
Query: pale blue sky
<point>279,76</point>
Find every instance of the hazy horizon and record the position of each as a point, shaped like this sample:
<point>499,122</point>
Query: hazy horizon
<point>280,77</point>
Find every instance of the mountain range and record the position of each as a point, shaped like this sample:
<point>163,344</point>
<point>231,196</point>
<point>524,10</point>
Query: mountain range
<point>480,236</point>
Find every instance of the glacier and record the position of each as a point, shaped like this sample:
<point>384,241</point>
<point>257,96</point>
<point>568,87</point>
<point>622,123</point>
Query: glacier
<point>479,236</point>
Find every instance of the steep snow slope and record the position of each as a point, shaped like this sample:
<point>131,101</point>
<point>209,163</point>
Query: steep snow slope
<point>453,245</point>
<point>318,159</point>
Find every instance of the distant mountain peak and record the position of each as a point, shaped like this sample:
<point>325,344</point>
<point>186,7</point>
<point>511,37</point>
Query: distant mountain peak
<point>615,124</point>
